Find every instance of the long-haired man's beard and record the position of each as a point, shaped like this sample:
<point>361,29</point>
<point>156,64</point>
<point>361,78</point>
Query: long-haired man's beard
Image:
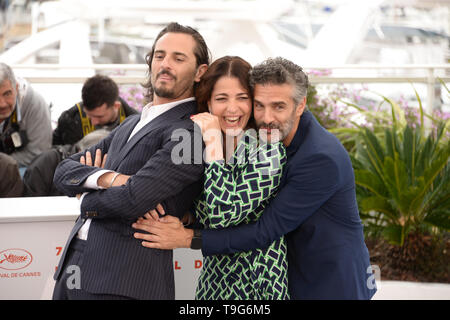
<point>162,91</point>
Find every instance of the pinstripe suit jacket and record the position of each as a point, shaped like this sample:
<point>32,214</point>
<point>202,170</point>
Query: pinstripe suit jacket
<point>114,262</point>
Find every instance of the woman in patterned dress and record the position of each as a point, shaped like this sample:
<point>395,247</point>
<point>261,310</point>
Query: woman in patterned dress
<point>241,175</point>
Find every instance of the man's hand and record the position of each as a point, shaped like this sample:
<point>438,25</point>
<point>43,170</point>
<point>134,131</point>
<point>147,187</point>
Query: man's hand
<point>98,161</point>
<point>87,161</point>
<point>104,180</point>
<point>165,233</point>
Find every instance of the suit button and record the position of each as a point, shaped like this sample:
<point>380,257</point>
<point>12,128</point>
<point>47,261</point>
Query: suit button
<point>90,214</point>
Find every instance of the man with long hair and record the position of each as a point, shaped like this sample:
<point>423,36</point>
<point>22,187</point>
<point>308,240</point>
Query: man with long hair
<point>138,174</point>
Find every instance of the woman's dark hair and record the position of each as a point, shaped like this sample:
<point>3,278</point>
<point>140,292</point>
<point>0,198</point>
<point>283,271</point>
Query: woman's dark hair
<point>228,66</point>
<point>201,51</point>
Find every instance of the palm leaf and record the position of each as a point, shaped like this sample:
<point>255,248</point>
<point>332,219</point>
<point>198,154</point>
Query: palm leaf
<point>439,218</point>
<point>394,234</point>
<point>420,110</point>
<point>430,174</point>
<point>379,204</point>
<point>370,181</point>
<point>443,83</point>
<point>409,151</point>
<point>374,152</point>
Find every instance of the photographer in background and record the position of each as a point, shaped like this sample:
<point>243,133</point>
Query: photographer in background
<point>25,126</point>
<point>101,108</point>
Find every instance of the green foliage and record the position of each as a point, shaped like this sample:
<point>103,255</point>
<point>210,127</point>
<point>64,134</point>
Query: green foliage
<point>402,176</point>
<point>400,156</point>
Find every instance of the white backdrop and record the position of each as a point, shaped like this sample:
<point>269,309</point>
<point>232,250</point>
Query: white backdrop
<point>33,232</point>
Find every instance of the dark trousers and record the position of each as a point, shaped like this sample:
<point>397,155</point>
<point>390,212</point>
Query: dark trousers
<point>68,286</point>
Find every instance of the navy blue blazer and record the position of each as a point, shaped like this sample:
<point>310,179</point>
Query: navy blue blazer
<point>317,211</point>
<point>114,262</point>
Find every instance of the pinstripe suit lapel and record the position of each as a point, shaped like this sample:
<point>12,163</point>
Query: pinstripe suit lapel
<point>118,143</point>
<point>176,112</point>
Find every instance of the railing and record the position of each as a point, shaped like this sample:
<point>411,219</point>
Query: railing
<point>425,74</point>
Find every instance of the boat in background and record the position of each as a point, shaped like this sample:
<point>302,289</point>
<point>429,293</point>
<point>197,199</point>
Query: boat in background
<point>81,34</point>
<point>308,32</point>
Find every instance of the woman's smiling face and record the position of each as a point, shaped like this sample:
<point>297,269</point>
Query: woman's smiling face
<point>232,104</point>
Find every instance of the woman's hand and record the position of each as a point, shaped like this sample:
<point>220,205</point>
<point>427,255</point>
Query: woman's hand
<point>207,122</point>
<point>188,219</point>
<point>212,135</point>
<point>152,215</point>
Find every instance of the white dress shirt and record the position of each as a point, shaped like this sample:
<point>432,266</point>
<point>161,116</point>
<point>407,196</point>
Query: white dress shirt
<point>149,112</point>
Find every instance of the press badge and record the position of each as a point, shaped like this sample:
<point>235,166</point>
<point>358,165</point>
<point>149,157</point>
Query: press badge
<point>17,141</point>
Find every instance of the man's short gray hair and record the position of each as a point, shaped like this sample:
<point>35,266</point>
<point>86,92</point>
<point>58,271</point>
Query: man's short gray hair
<point>280,71</point>
<point>6,73</point>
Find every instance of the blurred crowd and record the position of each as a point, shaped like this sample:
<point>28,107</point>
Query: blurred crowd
<point>30,149</point>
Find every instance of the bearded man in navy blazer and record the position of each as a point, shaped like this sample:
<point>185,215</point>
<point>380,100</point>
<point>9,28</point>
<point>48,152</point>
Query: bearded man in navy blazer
<point>139,173</point>
<point>315,208</point>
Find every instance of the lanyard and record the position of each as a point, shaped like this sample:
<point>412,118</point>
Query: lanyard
<point>86,123</point>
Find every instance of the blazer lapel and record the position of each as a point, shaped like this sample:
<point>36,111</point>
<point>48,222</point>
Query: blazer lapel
<point>176,112</point>
<point>120,139</point>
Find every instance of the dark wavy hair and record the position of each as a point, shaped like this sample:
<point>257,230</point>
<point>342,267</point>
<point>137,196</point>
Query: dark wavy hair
<point>98,90</point>
<point>229,66</point>
<point>201,51</point>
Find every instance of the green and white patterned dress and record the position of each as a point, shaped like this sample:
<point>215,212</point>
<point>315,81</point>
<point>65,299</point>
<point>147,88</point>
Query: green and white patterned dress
<point>236,193</point>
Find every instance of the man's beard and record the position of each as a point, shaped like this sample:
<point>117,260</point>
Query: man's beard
<point>278,131</point>
<point>162,91</point>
